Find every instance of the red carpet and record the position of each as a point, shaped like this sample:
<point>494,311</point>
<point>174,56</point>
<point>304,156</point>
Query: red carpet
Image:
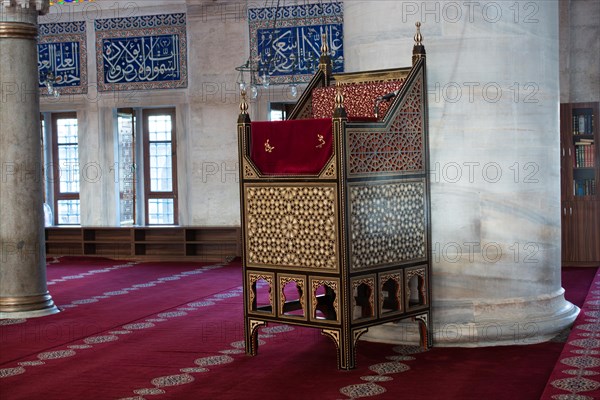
<point>578,281</point>
<point>577,374</point>
<point>174,331</point>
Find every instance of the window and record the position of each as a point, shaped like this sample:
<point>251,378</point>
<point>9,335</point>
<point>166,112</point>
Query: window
<point>280,111</point>
<point>160,173</point>
<point>147,195</point>
<point>65,155</point>
<point>126,123</point>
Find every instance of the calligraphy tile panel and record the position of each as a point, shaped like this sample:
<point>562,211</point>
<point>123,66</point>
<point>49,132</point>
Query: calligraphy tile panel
<point>62,50</point>
<point>387,223</point>
<point>146,21</point>
<point>289,46</point>
<point>320,9</point>
<point>141,53</point>
<point>295,50</point>
<point>61,28</point>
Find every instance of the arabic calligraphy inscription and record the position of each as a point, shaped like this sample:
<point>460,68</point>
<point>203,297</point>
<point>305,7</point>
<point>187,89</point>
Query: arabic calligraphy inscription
<point>296,49</point>
<point>141,59</point>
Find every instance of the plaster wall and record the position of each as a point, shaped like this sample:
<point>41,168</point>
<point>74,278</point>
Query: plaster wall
<point>206,111</point>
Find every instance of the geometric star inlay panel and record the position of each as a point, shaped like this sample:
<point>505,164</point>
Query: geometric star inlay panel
<point>293,226</point>
<point>387,223</point>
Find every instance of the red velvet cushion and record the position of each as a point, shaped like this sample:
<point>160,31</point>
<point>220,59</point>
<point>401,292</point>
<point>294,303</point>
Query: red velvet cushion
<point>293,147</point>
<point>359,99</point>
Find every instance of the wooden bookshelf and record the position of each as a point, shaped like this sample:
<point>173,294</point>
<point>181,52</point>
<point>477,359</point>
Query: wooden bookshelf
<point>580,176</point>
<point>107,242</point>
<point>163,242</point>
<point>64,241</point>
<point>212,244</point>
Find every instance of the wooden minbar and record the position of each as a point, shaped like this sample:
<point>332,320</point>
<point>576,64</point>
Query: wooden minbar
<point>335,207</point>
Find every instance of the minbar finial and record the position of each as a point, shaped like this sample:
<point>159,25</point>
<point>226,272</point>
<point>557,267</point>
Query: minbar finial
<point>244,117</point>
<point>418,36</point>
<point>324,45</point>
<point>339,96</point>
<point>418,48</point>
<point>325,59</point>
<point>339,111</point>
<point>243,103</point>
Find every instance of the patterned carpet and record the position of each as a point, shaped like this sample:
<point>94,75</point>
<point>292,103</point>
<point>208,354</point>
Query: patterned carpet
<point>135,331</point>
<point>576,375</point>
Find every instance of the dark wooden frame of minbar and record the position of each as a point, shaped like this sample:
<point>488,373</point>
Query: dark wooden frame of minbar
<point>346,283</point>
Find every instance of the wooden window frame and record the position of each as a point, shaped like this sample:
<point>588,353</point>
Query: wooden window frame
<point>58,195</point>
<point>148,193</point>
<point>135,116</point>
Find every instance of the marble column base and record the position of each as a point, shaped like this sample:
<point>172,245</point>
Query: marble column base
<point>27,306</point>
<point>490,322</point>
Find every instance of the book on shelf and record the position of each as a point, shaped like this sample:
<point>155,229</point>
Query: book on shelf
<point>583,124</point>
<point>585,153</point>
<point>584,187</point>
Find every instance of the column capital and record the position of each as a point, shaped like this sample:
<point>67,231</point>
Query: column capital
<point>22,12</point>
<point>41,6</point>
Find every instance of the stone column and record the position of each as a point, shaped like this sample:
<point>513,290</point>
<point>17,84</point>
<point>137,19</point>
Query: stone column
<point>23,289</point>
<point>493,83</point>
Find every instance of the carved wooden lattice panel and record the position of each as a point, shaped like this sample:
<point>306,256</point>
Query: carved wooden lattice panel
<point>293,226</point>
<point>307,112</point>
<point>387,223</point>
<point>400,149</point>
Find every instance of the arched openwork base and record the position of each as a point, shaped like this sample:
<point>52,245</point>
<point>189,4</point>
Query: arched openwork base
<point>346,350</point>
<point>251,336</point>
